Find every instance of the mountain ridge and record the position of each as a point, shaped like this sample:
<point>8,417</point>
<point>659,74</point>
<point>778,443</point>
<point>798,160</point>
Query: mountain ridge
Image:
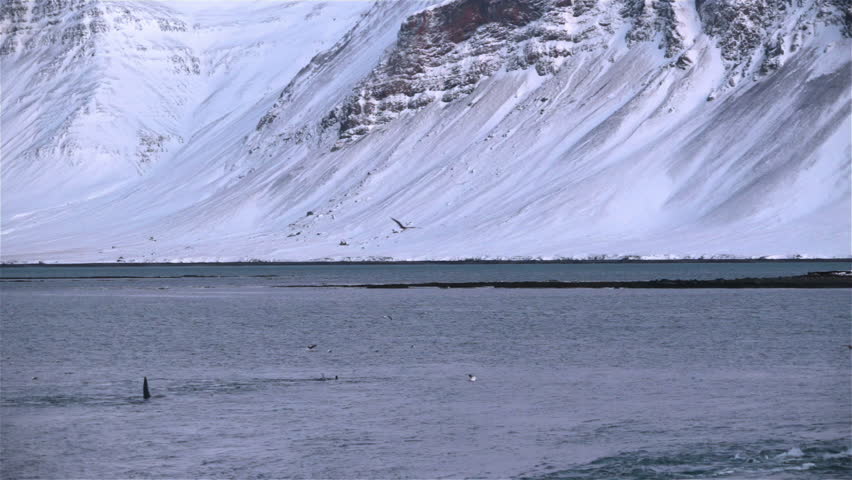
<point>560,130</point>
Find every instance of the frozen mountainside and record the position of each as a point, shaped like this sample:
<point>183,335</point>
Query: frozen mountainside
<point>294,130</point>
<point>95,93</point>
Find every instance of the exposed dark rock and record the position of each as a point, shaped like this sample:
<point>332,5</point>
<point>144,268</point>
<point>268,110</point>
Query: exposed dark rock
<point>583,6</point>
<point>741,27</point>
<point>443,53</point>
<point>450,49</point>
<point>650,19</point>
<point>683,62</point>
<point>151,145</point>
<point>186,63</point>
<point>171,25</point>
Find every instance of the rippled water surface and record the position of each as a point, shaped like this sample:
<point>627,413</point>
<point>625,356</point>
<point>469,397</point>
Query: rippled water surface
<point>586,384</point>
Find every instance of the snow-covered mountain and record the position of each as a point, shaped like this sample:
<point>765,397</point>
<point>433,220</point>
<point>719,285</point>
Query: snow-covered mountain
<point>202,130</point>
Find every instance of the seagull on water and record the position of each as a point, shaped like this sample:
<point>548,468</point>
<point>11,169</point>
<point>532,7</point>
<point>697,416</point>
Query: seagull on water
<point>471,377</point>
<point>312,346</point>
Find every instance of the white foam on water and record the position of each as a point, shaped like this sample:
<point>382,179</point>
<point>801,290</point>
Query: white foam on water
<point>794,452</point>
<point>829,456</point>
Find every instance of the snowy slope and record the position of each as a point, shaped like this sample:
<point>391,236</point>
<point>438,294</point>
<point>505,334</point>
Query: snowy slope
<point>284,130</point>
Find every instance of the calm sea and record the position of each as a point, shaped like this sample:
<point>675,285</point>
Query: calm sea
<point>571,384</point>
<point>261,274</point>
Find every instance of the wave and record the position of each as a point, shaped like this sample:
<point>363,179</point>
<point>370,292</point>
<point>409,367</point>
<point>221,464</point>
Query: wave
<point>828,459</point>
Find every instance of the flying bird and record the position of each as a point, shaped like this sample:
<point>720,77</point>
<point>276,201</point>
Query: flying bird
<point>403,227</point>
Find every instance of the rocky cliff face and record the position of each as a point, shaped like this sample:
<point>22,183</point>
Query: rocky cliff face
<point>444,52</point>
<point>756,37</point>
<point>74,25</point>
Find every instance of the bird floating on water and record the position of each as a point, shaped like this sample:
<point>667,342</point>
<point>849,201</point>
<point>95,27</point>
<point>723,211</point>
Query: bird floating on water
<point>471,377</point>
<point>312,346</point>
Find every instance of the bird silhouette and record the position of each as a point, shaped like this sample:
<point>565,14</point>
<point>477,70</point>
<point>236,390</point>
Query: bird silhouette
<point>403,227</point>
<point>312,346</point>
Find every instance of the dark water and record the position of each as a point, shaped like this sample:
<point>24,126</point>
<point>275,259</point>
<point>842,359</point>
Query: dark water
<point>421,273</point>
<point>586,384</point>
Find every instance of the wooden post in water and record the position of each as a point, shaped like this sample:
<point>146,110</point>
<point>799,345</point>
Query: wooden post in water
<point>145,393</point>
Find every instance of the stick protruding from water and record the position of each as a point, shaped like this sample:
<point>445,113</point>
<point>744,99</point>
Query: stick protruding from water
<point>145,393</point>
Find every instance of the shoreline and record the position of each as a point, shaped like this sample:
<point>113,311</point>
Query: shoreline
<point>430,262</point>
<point>810,280</point>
